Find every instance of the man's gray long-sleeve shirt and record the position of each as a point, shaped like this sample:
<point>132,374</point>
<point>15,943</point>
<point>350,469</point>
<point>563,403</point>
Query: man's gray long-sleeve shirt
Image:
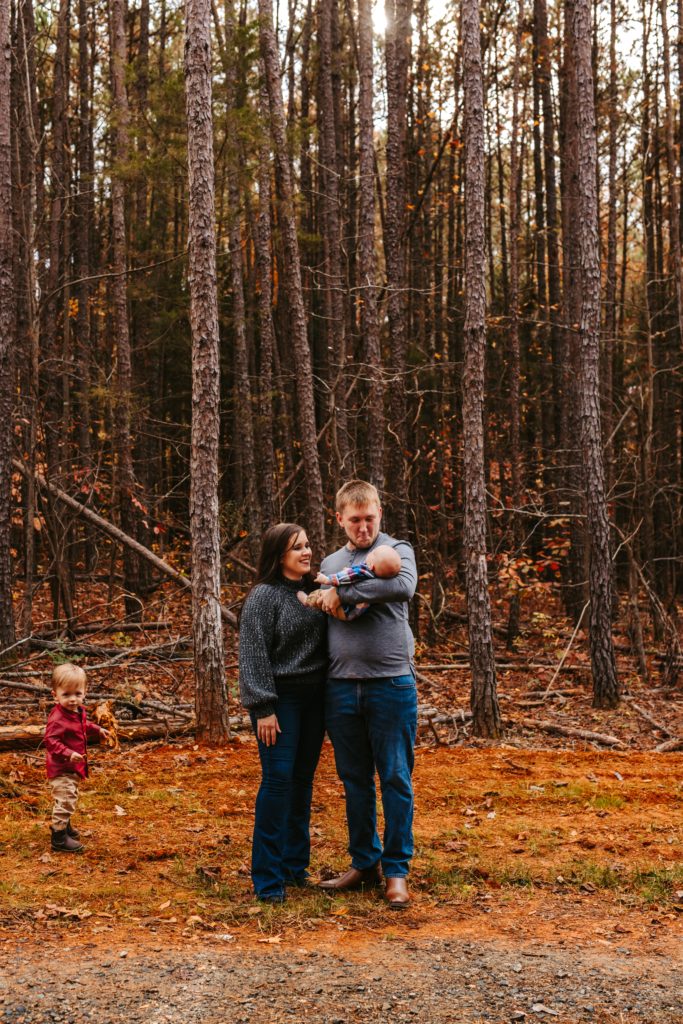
<point>379,643</point>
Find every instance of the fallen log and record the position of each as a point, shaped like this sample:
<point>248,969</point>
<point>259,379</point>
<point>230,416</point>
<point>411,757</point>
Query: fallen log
<point>30,737</point>
<point>566,730</point>
<point>181,643</point>
<point>673,744</point>
<point>107,627</point>
<point>116,534</point>
<point>126,702</point>
<point>464,666</point>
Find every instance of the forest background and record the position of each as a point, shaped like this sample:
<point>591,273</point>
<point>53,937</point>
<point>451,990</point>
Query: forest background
<point>440,249</point>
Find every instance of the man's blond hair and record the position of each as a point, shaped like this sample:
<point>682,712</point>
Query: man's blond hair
<point>67,673</point>
<point>356,492</point>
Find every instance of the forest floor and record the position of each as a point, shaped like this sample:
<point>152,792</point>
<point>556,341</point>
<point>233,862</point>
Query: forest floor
<point>547,885</point>
<point>547,882</point>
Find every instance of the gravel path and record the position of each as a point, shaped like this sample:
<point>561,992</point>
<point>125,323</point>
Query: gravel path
<point>432,980</point>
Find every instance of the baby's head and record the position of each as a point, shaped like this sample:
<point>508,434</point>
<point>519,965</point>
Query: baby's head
<point>384,561</point>
<point>68,686</point>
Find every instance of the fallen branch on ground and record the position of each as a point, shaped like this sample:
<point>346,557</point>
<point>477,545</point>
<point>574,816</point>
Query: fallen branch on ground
<point>673,744</point>
<point>133,705</point>
<point>107,627</point>
<point>648,718</point>
<point>30,737</point>
<point>181,643</point>
<point>116,534</point>
<point>464,666</point>
<point>565,730</point>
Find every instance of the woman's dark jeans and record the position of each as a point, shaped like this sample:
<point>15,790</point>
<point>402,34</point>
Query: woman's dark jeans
<point>282,842</point>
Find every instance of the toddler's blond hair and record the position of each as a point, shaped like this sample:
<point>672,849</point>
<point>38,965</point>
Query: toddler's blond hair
<point>67,673</point>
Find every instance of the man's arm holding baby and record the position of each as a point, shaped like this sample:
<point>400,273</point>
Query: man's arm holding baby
<point>376,590</point>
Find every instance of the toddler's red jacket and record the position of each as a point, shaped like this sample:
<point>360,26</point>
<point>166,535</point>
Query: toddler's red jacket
<point>65,732</point>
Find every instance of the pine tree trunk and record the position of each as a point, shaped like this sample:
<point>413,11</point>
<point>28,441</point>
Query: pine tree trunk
<point>647,477</point>
<point>51,356</point>
<point>83,214</point>
<point>513,337</point>
<point>31,190</point>
<point>244,417</point>
<point>124,373</point>
<point>542,70</point>
<point>611,270</point>
<point>483,697</point>
<point>7,328</point>
<point>397,48</point>
<point>264,271</point>
<point>571,483</point>
<point>332,237</point>
<point>292,274</point>
<point>211,700</point>
<point>369,321</point>
<point>672,414</point>
<point>605,683</point>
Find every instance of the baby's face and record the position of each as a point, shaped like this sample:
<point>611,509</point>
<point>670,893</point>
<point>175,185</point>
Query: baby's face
<point>70,696</point>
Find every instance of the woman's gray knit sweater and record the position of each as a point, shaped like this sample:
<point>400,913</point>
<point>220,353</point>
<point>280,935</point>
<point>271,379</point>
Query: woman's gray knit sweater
<point>282,642</point>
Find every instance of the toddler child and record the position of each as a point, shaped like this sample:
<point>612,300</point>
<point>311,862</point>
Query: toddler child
<point>383,562</point>
<point>66,751</point>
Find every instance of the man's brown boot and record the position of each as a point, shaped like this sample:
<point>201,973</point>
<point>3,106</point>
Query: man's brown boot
<point>62,842</point>
<point>396,894</point>
<point>353,880</point>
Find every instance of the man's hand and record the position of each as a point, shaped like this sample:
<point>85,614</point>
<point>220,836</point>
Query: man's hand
<point>329,601</point>
<point>75,756</point>
<point>267,730</point>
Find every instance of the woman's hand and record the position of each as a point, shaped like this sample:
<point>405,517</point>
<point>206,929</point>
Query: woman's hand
<point>267,730</point>
<point>329,601</point>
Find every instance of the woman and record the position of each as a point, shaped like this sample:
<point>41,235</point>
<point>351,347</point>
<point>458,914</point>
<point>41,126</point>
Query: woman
<point>282,666</point>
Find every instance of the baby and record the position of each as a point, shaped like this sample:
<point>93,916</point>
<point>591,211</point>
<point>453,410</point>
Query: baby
<point>66,752</point>
<point>382,562</point>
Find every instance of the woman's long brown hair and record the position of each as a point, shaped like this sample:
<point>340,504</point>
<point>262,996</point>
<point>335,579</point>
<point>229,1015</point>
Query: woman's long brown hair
<point>274,544</point>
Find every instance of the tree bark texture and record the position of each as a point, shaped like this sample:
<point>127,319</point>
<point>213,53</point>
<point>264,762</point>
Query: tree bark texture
<point>244,418</point>
<point>483,697</point>
<point>369,322</point>
<point>605,683</point>
<point>51,355</point>
<point>397,63</point>
<point>292,273</point>
<point>571,484</point>
<point>514,368</point>
<point>211,701</point>
<point>7,327</point>
<point>332,235</point>
<point>264,271</point>
<point>124,374</point>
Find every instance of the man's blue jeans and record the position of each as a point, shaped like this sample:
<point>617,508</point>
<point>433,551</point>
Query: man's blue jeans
<point>282,842</point>
<point>372,724</point>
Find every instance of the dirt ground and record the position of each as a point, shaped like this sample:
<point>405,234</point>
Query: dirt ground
<point>547,885</point>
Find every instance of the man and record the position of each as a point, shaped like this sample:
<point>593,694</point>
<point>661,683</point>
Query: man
<point>371,700</point>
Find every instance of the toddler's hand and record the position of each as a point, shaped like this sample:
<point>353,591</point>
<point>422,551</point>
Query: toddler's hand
<point>105,733</point>
<point>75,756</point>
<point>322,578</point>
